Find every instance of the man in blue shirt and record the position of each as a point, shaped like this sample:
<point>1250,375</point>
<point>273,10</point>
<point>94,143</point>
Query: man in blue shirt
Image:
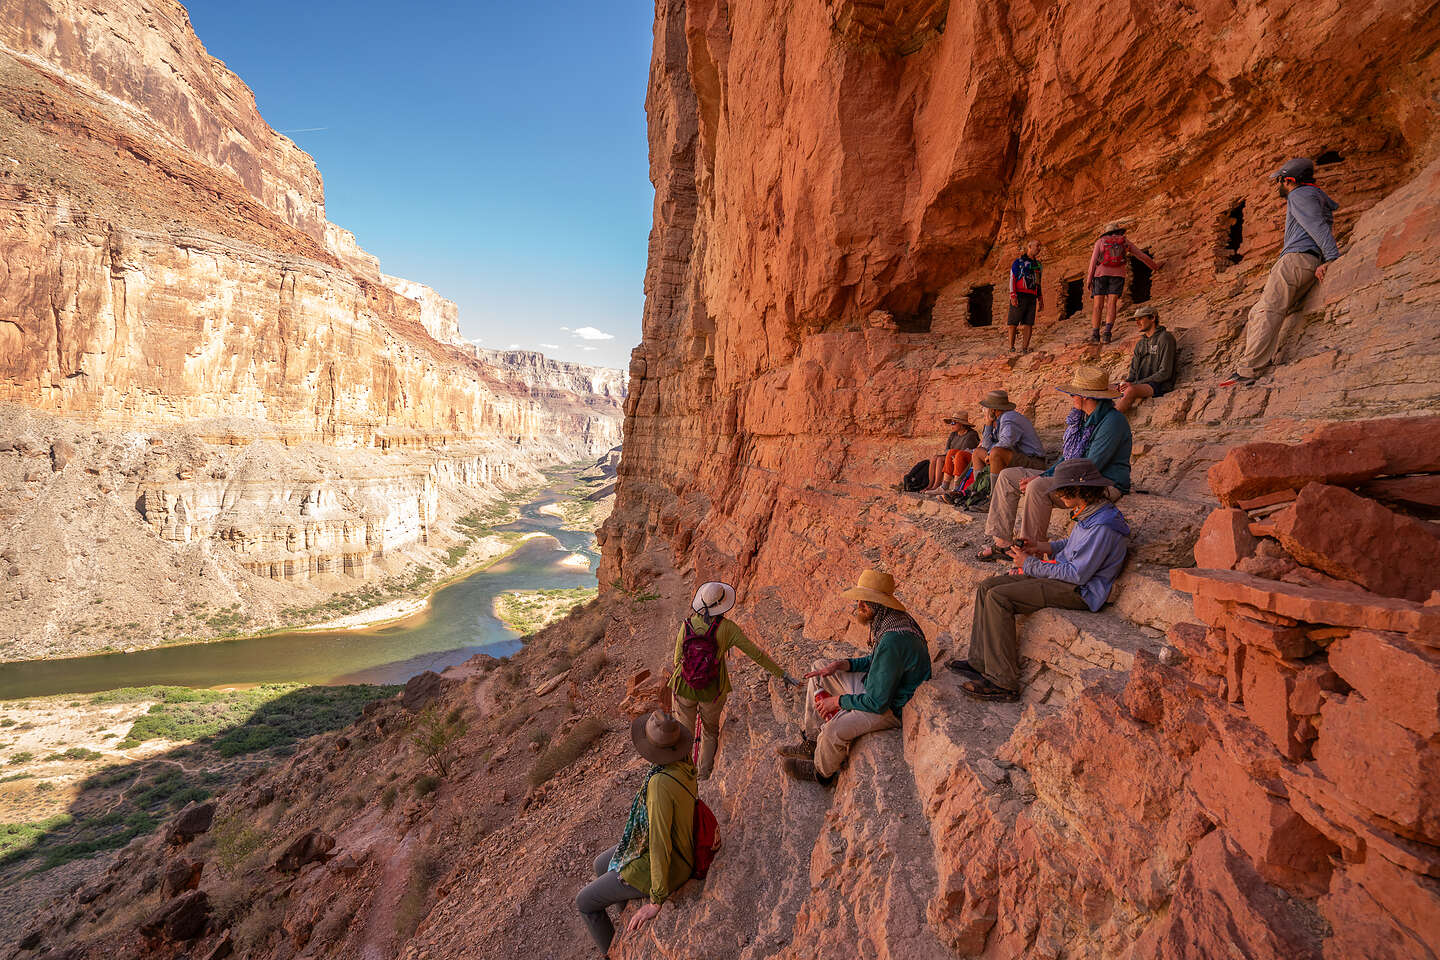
<point>1008,439</point>
<point>1309,248</point>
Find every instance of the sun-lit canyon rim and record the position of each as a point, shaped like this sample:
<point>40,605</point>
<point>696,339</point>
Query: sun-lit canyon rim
<point>1237,756</point>
<point>213,398</point>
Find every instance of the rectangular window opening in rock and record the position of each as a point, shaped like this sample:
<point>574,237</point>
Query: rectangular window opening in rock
<point>980,305</point>
<point>1328,157</point>
<point>1233,225</point>
<point>1140,276</point>
<point>1072,294</point>
<point>921,319</point>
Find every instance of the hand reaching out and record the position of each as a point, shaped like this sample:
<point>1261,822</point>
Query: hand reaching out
<point>834,666</point>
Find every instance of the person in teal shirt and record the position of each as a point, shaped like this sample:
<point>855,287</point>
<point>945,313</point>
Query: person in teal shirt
<point>846,699</point>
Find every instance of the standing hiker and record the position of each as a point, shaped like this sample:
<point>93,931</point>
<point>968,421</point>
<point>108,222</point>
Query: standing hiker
<point>1073,573</point>
<point>1026,295</point>
<point>1152,364</point>
<point>701,681</point>
<point>656,852</point>
<point>1096,431</point>
<point>846,699</point>
<point>1309,248</point>
<point>1106,276</point>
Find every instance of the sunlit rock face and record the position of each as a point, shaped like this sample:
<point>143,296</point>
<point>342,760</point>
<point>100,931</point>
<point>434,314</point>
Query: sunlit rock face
<point>170,277</point>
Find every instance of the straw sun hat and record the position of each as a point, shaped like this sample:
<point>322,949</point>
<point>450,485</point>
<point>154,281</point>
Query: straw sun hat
<point>660,738</point>
<point>959,419</point>
<point>1089,382</point>
<point>876,587</point>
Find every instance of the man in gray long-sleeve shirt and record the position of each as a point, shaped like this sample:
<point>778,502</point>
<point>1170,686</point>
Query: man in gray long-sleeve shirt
<point>1309,247</point>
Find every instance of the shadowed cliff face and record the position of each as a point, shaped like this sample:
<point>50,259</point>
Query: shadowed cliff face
<point>170,278</point>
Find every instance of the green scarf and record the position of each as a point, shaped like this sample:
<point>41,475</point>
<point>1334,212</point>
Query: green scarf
<point>635,839</point>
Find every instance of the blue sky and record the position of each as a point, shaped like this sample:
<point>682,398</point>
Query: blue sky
<point>494,151</point>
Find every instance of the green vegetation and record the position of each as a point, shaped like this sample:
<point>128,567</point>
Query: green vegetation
<point>424,871</point>
<point>77,753</point>
<point>425,784</point>
<point>528,611</point>
<point>567,751</point>
<point>24,756</point>
<point>456,553</point>
<point>236,722</point>
<point>236,840</point>
<point>637,597</point>
<point>436,737</point>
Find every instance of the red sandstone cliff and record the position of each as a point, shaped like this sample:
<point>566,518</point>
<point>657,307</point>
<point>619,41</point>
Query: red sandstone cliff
<point>171,285</point>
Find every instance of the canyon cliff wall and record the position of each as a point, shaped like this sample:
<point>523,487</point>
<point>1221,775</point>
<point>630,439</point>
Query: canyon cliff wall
<point>170,277</point>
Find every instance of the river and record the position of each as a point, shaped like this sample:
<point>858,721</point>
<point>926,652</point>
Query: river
<point>459,623</point>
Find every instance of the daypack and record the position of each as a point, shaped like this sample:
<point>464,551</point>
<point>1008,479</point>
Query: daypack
<point>1025,279</point>
<point>918,478</point>
<point>707,836</point>
<point>975,493</point>
<point>700,655</point>
<point>1112,254</point>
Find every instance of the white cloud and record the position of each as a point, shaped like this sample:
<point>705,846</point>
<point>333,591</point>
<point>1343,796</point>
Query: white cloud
<point>590,333</point>
<point>513,346</point>
<point>549,346</point>
<point>589,348</point>
<point>566,329</point>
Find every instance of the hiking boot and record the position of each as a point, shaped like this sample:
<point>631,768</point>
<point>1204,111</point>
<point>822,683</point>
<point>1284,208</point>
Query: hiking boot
<point>804,770</point>
<point>1236,380</point>
<point>1095,335</point>
<point>804,750</point>
<point>1109,330</point>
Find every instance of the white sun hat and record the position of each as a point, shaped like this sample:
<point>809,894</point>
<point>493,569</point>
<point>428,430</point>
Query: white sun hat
<point>713,598</point>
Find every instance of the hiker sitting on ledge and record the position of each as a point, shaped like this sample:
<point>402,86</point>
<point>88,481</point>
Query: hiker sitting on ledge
<point>1152,364</point>
<point>656,852</point>
<point>1073,573</point>
<point>945,468</point>
<point>847,699</point>
<point>1096,431</point>
<point>1009,438</point>
<point>701,682</point>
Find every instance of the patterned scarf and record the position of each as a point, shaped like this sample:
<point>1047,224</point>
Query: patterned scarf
<point>635,839</point>
<point>889,619</point>
<point>1077,434</point>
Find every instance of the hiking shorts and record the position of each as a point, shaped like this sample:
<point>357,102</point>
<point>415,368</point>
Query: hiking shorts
<point>1022,311</point>
<point>1107,286</point>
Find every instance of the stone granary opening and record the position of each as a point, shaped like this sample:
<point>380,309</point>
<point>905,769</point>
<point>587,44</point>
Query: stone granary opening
<point>921,319</point>
<point>1234,233</point>
<point>1328,157</point>
<point>980,305</point>
<point>1140,276</point>
<point>1073,292</point>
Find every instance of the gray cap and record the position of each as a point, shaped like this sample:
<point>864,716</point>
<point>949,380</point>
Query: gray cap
<point>1146,311</point>
<point>1298,169</point>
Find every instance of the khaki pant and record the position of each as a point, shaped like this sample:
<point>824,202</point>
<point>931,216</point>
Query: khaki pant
<point>833,737</point>
<point>710,712</point>
<point>994,648</point>
<point>1290,279</point>
<point>1034,505</point>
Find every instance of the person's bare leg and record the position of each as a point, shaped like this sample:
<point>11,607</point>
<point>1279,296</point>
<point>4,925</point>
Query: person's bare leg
<point>1112,307</point>
<point>1012,336</point>
<point>1134,393</point>
<point>934,478</point>
<point>1099,312</point>
<point>1024,337</point>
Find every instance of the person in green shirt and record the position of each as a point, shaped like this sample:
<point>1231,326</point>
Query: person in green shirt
<point>711,637</point>
<point>847,699</point>
<point>656,852</point>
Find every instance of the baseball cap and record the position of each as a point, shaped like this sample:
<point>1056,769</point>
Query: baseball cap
<point>1297,169</point>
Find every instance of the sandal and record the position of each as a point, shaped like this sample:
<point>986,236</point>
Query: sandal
<point>992,553</point>
<point>985,690</point>
<point>963,666</point>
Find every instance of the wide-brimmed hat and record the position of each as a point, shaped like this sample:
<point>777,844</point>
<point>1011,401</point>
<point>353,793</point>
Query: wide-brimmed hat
<point>1116,226</point>
<point>997,400</point>
<point>1078,472</point>
<point>1145,311</point>
<point>1299,169</point>
<point>959,419</point>
<point>876,587</point>
<point>1089,382</point>
<point>713,598</point>
<point>660,738</point>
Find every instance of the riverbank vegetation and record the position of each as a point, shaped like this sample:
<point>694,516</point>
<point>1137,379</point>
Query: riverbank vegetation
<point>529,611</point>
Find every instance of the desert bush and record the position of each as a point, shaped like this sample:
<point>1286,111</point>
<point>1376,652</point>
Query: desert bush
<point>235,840</point>
<point>589,668</point>
<point>387,798</point>
<point>436,737</point>
<point>567,751</point>
<point>425,784</point>
<point>424,871</point>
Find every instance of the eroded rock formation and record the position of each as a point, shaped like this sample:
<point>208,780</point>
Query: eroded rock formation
<point>170,278</point>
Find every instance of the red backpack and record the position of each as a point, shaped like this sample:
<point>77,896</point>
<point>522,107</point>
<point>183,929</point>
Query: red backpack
<point>1112,254</point>
<point>707,837</point>
<point>700,655</point>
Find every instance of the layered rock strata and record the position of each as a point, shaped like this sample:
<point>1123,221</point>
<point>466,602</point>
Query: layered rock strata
<point>171,278</point>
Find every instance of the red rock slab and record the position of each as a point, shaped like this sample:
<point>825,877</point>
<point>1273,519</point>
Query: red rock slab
<point>1223,908</point>
<point>1386,668</point>
<point>1321,605</point>
<point>1285,848</point>
<point>1254,469</point>
<point>1381,766</point>
<point>1282,699</point>
<point>1378,911</point>
<point>1225,540</point>
<point>1356,539</point>
<point>1320,802</point>
<point>1269,499</point>
<point>1419,491</point>
<point>1410,444</point>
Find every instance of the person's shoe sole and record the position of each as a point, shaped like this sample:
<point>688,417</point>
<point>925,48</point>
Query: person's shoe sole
<point>1237,381</point>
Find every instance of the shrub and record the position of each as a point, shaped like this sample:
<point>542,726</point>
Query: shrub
<point>387,798</point>
<point>24,756</point>
<point>436,737</point>
<point>424,871</point>
<point>235,840</point>
<point>567,751</point>
<point>426,784</point>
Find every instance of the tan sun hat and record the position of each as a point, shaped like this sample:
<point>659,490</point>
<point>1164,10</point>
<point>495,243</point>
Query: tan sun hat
<point>960,419</point>
<point>1145,311</point>
<point>997,400</point>
<point>660,738</point>
<point>713,599</point>
<point>876,587</point>
<point>1114,225</point>
<point>1089,382</point>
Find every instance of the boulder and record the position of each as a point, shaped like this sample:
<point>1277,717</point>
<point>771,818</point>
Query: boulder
<point>421,690</point>
<point>1386,668</point>
<point>1252,469</point>
<point>1380,765</point>
<point>1420,491</point>
<point>61,453</point>
<point>182,875</point>
<point>194,820</point>
<point>1310,604</point>
<point>1225,540</point>
<point>1355,538</point>
<point>1409,443</point>
<point>183,918</point>
<point>309,847</point>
